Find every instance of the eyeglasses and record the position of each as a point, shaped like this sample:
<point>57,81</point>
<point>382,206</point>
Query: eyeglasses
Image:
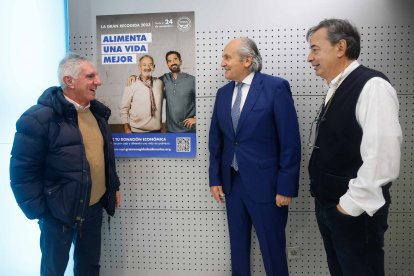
<point>321,117</point>
<point>314,123</point>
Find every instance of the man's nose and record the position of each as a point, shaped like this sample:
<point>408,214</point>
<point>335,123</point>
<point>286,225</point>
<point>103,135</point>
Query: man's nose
<point>310,57</point>
<point>98,80</point>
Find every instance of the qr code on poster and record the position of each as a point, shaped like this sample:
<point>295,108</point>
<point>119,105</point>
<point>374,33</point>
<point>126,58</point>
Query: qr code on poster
<point>183,144</point>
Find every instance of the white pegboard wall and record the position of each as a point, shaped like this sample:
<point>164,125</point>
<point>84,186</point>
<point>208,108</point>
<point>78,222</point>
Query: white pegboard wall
<point>167,240</point>
<point>168,223</point>
<point>399,240</point>
<point>389,50</point>
<point>83,44</point>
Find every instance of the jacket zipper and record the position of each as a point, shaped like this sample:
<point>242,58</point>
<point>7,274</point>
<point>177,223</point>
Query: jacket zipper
<point>80,218</point>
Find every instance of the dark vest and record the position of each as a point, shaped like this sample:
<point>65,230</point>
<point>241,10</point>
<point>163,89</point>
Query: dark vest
<point>336,158</point>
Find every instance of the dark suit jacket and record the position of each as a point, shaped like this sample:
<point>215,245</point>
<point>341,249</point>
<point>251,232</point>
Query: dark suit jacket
<point>267,140</point>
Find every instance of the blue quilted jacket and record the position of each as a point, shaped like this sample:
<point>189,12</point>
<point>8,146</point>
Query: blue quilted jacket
<point>49,171</point>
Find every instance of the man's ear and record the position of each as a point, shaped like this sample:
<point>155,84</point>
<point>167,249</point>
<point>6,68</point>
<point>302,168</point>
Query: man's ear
<point>247,61</point>
<point>68,81</point>
<point>341,46</point>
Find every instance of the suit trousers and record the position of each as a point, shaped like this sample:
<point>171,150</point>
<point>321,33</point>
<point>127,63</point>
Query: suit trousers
<point>56,239</point>
<point>269,222</point>
<point>353,245</point>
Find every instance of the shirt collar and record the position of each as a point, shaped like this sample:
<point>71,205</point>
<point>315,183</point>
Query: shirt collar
<point>247,80</point>
<point>78,107</point>
<point>338,79</point>
<point>179,74</point>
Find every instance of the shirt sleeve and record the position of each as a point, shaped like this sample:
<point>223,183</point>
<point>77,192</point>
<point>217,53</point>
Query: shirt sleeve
<point>125,104</point>
<point>377,114</point>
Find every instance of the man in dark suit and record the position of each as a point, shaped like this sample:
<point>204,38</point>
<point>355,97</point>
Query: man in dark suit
<point>255,156</point>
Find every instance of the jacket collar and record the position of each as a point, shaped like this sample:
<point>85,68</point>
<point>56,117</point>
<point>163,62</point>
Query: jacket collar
<point>53,97</point>
<point>252,96</point>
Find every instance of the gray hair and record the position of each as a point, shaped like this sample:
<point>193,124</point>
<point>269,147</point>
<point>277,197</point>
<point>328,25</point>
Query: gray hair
<point>147,56</point>
<point>340,29</point>
<point>70,66</point>
<point>249,48</point>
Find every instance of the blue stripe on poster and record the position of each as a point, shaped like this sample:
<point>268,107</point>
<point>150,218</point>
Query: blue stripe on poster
<point>155,145</point>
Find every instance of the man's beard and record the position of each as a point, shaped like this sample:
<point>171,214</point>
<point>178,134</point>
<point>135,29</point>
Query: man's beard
<point>175,68</point>
<point>146,74</point>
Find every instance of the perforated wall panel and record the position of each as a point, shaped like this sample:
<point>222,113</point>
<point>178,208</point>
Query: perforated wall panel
<point>169,224</point>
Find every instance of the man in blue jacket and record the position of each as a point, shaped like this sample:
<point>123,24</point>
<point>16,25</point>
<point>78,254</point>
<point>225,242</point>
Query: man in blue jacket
<point>62,168</point>
<point>255,156</point>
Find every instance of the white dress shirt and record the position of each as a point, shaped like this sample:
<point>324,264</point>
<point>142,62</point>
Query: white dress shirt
<point>245,90</point>
<point>377,114</point>
<point>77,106</point>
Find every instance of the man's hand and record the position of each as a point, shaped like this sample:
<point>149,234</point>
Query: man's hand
<point>189,122</point>
<point>117,199</point>
<point>127,128</point>
<point>131,79</point>
<point>282,200</point>
<point>341,210</point>
<point>217,193</point>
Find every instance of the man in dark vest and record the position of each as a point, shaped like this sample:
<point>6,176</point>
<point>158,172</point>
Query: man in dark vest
<point>356,151</point>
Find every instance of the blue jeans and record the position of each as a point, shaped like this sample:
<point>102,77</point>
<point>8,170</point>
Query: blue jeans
<point>56,239</point>
<point>353,245</point>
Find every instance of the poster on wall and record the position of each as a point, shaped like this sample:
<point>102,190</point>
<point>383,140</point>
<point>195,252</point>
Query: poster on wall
<point>147,66</point>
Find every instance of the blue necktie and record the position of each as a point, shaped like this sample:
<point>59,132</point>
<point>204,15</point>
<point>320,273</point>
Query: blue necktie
<point>235,115</point>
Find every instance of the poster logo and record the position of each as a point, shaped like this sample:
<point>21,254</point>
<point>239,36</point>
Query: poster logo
<point>184,23</point>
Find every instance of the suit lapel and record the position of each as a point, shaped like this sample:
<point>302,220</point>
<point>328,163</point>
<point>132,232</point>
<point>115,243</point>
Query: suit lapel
<point>252,96</point>
<point>228,96</point>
